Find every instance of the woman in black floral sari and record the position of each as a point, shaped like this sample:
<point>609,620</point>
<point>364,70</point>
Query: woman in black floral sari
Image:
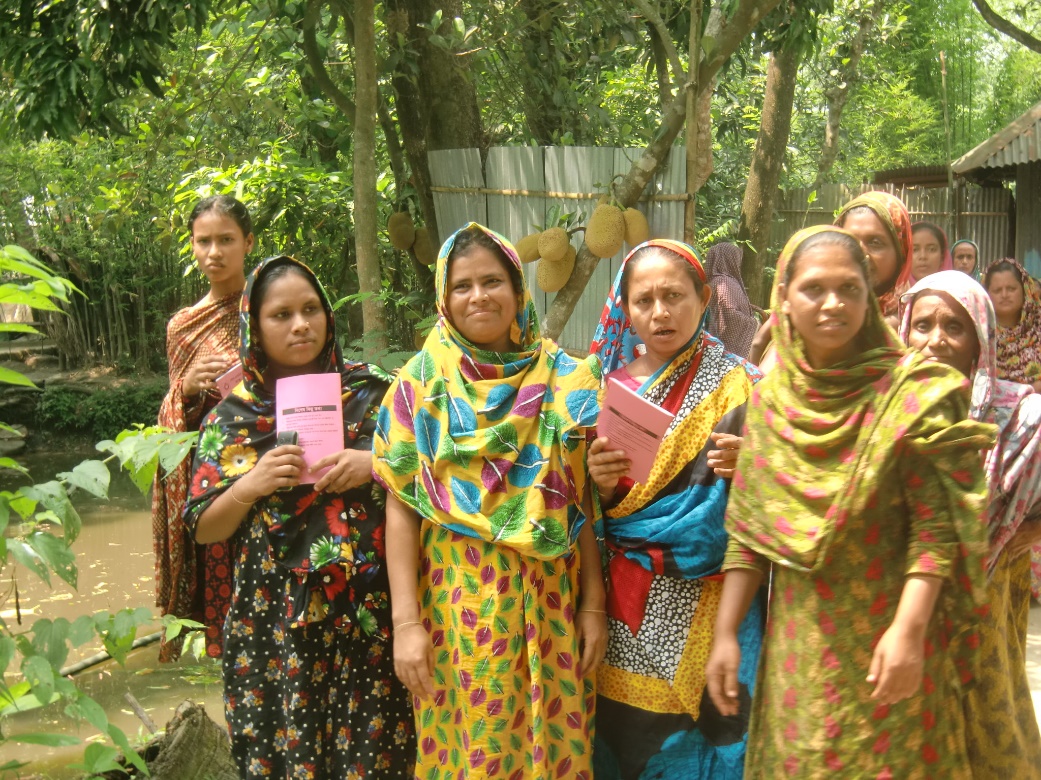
<point>309,683</point>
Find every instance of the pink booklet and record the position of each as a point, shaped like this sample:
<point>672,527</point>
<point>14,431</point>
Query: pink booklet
<point>633,424</point>
<point>227,381</point>
<point>310,404</point>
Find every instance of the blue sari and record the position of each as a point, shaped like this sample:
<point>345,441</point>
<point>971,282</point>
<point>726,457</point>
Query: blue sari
<point>666,542</point>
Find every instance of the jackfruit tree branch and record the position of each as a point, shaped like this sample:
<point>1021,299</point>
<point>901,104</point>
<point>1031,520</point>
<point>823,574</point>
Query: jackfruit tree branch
<point>316,63</point>
<point>838,94</point>
<point>721,39</point>
<point>679,75</point>
<point>1003,25</point>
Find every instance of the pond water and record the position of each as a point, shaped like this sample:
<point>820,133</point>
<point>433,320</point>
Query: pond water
<point>116,570</point>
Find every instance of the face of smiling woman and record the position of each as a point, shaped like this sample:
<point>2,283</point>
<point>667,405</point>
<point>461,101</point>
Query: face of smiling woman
<point>826,299</point>
<point>663,305</point>
<point>291,326</point>
<point>481,301</point>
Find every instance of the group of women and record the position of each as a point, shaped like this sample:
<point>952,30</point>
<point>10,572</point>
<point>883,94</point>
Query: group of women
<point>475,581</point>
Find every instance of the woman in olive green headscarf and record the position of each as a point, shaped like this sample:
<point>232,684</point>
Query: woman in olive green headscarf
<point>862,456</point>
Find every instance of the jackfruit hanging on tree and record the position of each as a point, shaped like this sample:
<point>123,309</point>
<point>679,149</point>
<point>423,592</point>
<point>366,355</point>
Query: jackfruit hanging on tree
<point>528,248</point>
<point>636,228</point>
<point>605,231</point>
<point>551,276</point>
<point>402,230</point>
<point>553,244</point>
<point>426,252</point>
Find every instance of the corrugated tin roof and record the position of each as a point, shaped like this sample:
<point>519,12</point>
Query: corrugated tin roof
<point>1015,145</point>
<point>917,175</point>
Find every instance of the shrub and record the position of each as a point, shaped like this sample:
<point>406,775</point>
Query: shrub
<point>99,413</point>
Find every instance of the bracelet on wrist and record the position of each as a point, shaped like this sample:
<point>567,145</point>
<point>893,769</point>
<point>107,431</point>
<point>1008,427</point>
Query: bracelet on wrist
<point>238,500</point>
<point>408,623</point>
<point>597,611</point>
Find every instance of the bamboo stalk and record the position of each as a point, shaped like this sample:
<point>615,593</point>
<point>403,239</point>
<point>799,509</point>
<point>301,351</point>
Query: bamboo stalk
<point>551,194</point>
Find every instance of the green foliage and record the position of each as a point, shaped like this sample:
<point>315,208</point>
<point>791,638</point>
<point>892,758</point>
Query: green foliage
<point>101,413</point>
<point>66,62</point>
<point>38,525</point>
<point>141,450</point>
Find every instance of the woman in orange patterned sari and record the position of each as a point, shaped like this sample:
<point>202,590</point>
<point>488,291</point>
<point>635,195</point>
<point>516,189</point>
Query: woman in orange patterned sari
<point>194,581</point>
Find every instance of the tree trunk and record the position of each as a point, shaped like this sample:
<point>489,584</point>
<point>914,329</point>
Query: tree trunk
<point>541,67</point>
<point>846,78</point>
<point>409,109</point>
<point>757,208</point>
<point>436,103</point>
<point>370,278</point>
<point>722,37</point>
<point>661,67</point>
<point>694,137</point>
<point>455,117</point>
<point>192,747</point>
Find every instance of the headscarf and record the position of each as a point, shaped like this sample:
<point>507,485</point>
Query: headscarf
<point>329,544</point>
<point>825,444</point>
<point>1019,347</point>
<point>975,246</point>
<point>673,523</point>
<point>491,445</point>
<point>731,318</point>
<point>893,213</point>
<point>1013,466</point>
<point>946,263</point>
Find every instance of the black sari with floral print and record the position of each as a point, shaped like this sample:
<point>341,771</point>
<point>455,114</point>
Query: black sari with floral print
<point>309,683</point>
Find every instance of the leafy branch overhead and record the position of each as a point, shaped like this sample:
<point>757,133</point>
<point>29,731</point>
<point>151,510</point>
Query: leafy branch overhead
<point>68,63</point>
<point>1002,25</point>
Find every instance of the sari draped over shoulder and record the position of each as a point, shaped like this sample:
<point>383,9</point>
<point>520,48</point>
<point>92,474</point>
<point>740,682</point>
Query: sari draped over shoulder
<point>893,214</point>
<point>666,540</point>
<point>489,450</point>
<point>491,445</point>
<point>999,745</point>
<point>191,581</point>
<point>308,674</point>
<point>852,478</point>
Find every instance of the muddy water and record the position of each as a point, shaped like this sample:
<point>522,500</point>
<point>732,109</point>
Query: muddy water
<point>116,570</point>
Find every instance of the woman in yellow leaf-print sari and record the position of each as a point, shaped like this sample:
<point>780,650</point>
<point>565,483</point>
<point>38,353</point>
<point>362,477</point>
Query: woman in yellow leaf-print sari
<point>497,594</point>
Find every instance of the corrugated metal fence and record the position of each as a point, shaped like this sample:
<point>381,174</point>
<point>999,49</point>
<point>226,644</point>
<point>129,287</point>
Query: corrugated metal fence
<point>977,213</point>
<point>520,184</point>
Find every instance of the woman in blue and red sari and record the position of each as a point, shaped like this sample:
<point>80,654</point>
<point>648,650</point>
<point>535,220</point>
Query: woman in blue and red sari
<point>665,536</point>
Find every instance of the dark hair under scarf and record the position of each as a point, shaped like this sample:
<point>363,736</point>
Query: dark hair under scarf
<point>731,317</point>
